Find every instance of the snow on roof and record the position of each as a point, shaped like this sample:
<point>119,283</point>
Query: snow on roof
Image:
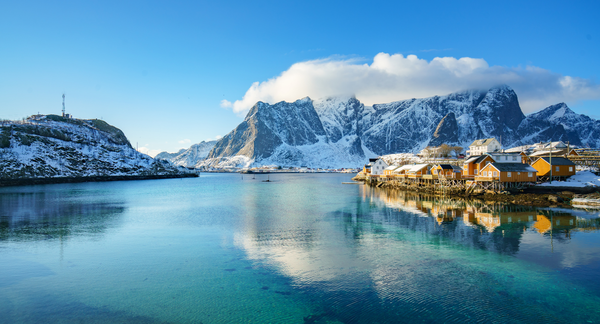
<point>391,168</point>
<point>485,141</point>
<point>547,152</point>
<point>417,167</point>
<point>404,168</point>
<point>518,149</point>
<point>471,159</point>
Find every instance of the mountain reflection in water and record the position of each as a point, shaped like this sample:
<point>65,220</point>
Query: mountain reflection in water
<point>39,215</point>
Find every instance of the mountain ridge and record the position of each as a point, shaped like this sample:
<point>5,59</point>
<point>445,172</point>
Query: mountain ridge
<point>343,132</point>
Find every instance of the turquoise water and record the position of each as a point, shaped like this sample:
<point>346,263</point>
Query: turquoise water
<point>304,248</point>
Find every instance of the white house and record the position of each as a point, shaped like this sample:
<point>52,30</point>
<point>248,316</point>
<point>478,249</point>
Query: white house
<point>505,157</point>
<point>378,166</point>
<point>483,146</point>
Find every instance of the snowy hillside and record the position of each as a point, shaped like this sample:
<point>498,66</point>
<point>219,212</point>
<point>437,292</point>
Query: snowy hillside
<point>191,157</point>
<point>342,132</point>
<point>46,146</point>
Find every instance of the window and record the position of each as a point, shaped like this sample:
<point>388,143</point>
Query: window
<point>485,173</point>
<point>476,171</point>
<point>508,174</point>
<point>530,174</point>
<point>570,169</point>
<point>514,158</point>
<point>495,173</point>
<point>557,169</point>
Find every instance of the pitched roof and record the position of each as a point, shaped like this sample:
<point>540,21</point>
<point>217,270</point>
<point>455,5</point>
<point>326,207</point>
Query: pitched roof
<point>449,167</point>
<point>391,168</point>
<point>404,168</point>
<point>513,167</point>
<point>471,159</point>
<point>557,161</point>
<point>416,167</point>
<point>485,141</point>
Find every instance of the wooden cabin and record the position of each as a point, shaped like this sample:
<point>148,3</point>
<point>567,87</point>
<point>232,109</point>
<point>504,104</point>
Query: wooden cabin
<point>447,171</point>
<point>474,164</point>
<point>389,171</point>
<point>401,171</point>
<point>417,170</point>
<point>561,168</point>
<point>507,172</point>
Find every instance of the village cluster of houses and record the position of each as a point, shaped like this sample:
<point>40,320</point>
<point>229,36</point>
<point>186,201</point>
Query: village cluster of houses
<point>487,162</point>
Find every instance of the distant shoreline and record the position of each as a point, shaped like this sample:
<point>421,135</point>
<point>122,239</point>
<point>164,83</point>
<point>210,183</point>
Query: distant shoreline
<point>38,181</point>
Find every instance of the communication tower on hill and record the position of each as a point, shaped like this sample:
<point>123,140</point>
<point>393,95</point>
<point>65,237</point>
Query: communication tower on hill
<point>63,111</point>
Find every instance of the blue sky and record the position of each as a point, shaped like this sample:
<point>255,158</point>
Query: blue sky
<point>160,70</point>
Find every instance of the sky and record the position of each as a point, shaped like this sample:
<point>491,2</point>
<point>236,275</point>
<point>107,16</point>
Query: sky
<point>174,73</point>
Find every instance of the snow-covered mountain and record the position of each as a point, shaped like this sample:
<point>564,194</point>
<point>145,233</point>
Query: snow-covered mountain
<point>342,132</point>
<point>50,146</point>
<point>190,157</point>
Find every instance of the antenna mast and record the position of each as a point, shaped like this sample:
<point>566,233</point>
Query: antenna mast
<point>63,111</point>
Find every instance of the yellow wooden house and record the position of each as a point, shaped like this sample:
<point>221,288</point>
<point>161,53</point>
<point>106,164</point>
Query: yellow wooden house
<point>507,172</point>
<point>562,168</point>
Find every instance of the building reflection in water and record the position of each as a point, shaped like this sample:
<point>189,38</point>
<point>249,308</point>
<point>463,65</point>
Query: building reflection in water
<point>491,217</point>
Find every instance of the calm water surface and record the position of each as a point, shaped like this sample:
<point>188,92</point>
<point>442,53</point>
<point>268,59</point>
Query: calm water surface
<point>301,249</point>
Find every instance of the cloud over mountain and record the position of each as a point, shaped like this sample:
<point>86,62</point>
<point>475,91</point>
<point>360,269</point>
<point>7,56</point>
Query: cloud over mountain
<point>396,77</point>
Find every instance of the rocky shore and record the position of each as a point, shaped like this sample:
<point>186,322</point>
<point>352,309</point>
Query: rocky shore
<point>533,196</point>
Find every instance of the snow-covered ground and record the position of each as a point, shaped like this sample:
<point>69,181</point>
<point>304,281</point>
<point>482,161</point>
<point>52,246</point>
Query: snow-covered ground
<point>580,179</point>
<point>52,146</point>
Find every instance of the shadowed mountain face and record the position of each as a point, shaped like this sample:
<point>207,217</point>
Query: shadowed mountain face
<point>342,132</point>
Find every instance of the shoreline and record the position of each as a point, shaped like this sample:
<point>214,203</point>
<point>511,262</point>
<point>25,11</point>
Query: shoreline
<point>532,196</point>
<point>39,181</point>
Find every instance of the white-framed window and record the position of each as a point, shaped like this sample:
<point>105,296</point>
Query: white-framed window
<point>508,174</point>
<point>476,172</point>
<point>485,173</point>
<point>514,158</point>
<point>570,169</point>
<point>530,174</point>
<point>557,168</point>
<point>495,173</point>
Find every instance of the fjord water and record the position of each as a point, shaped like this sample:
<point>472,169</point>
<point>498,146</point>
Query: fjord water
<point>303,248</point>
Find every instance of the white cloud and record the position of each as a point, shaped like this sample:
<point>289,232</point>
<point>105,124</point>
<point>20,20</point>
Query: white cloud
<point>216,138</point>
<point>185,141</point>
<point>226,104</point>
<point>395,77</point>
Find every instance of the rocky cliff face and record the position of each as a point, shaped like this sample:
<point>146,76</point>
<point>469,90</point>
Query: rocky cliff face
<point>342,132</point>
<point>53,146</point>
